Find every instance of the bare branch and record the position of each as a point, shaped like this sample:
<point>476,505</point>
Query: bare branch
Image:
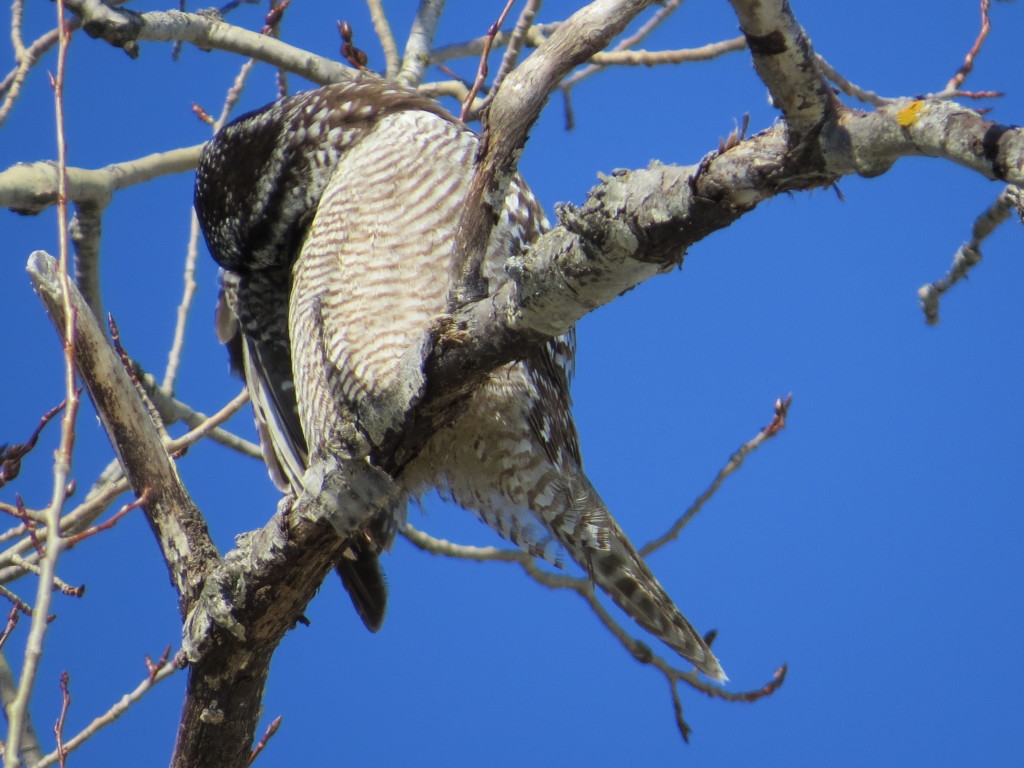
<point>124,28</point>
<point>417,48</point>
<point>179,528</point>
<point>435,546</point>
<point>58,728</point>
<point>667,9</point>
<point>785,62</point>
<point>160,673</point>
<point>965,69</point>
<point>482,67</point>
<point>849,88</point>
<point>642,58</point>
<point>536,35</point>
<point>868,144</point>
<point>515,43</point>
<point>103,494</point>
<point>638,649</point>
<point>513,112</point>
<point>30,749</point>
<point>457,89</point>
<point>188,293</point>
<point>16,602</point>
<point>969,254</point>
<point>30,188</point>
<point>267,736</point>
<point>172,411</point>
<point>106,525</point>
<point>208,424</point>
<point>67,328</point>
<point>26,58</point>
<point>777,424</point>
<point>381,26</point>
<point>11,455</point>
<point>58,584</point>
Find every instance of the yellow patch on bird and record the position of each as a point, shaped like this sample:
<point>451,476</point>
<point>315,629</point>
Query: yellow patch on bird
<point>910,114</point>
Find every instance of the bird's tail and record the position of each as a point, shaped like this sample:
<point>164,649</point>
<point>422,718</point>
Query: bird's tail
<point>617,568</point>
<point>364,580</point>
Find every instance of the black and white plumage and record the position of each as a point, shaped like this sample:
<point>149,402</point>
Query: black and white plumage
<point>333,214</point>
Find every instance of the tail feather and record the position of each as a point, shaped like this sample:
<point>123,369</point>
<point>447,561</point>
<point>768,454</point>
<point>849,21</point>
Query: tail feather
<point>364,580</point>
<point>618,570</point>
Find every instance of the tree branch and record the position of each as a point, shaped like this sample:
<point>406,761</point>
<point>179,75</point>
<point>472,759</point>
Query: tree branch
<point>513,112</point>
<point>123,28</point>
<point>785,61</point>
<point>417,48</point>
<point>30,188</point>
<point>177,524</point>
<point>636,224</point>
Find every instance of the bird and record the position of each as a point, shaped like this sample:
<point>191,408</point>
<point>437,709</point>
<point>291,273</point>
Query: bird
<point>333,215</point>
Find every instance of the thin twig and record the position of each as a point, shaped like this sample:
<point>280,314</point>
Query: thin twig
<point>385,36</point>
<point>58,728</point>
<point>660,16</point>
<point>481,71</point>
<point>267,736</point>
<point>58,584</point>
<point>968,254</point>
<point>849,88</point>
<point>234,93</point>
<point>777,424</point>
<point>472,48</point>
<point>188,293</point>
<point>11,456</point>
<point>17,14</point>
<point>94,505</point>
<point>26,58</point>
<point>195,435</point>
<point>112,484</point>
<point>638,649</point>
<point>12,621</point>
<point>17,603</point>
<point>965,69</point>
<point>172,410</point>
<point>62,460</point>
<point>106,524</point>
<point>642,58</point>
<point>164,671</point>
<point>515,45</point>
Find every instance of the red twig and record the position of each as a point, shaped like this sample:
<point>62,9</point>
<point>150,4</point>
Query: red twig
<point>980,94</point>
<point>126,362</point>
<point>271,730</point>
<point>965,69</point>
<point>12,622</point>
<point>273,19</point>
<point>779,421</point>
<point>766,690</point>
<point>10,457</point>
<point>152,668</point>
<point>108,524</point>
<point>18,604</point>
<point>28,522</point>
<point>202,114</point>
<point>58,728</point>
<point>354,56</point>
<point>776,425</point>
<point>481,72</point>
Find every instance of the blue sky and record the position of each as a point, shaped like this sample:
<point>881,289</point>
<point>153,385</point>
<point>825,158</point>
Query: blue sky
<point>874,546</point>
